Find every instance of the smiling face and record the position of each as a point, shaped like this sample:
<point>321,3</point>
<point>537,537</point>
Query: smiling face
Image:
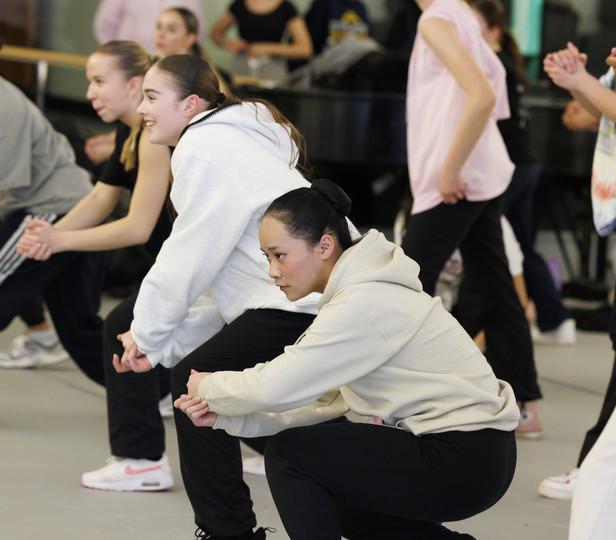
<point>165,115</point>
<point>296,267</point>
<point>172,35</point>
<point>111,93</point>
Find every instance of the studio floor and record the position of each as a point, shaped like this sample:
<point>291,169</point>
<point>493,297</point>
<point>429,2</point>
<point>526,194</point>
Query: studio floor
<point>53,428</point>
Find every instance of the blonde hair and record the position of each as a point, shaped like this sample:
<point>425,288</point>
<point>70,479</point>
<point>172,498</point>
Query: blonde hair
<point>134,61</point>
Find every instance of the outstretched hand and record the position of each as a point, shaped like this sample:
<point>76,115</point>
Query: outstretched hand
<point>196,409</point>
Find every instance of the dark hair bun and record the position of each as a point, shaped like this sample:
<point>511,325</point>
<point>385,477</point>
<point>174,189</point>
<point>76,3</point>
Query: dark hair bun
<point>334,194</point>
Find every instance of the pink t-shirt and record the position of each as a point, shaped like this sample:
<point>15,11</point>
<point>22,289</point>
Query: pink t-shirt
<point>434,104</point>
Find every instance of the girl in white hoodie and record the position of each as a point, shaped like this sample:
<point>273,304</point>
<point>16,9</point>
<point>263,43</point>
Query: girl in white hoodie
<point>442,446</point>
<point>231,160</point>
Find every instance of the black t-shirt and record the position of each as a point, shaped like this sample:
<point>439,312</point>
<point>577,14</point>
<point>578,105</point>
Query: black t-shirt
<point>114,174</point>
<point>266,27</point>
<point>514,129</point>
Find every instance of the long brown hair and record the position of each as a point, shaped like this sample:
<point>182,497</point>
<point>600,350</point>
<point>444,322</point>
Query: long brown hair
<point>495,15</point>
<point>194,75</point>
<point>134,61</point>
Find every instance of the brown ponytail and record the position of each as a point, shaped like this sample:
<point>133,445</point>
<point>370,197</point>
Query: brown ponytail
<point>494,13</point>
<point>194,75</point>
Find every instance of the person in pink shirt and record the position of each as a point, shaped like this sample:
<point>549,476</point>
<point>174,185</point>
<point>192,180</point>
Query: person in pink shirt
<point>135,20</point>
<point>459,169</point>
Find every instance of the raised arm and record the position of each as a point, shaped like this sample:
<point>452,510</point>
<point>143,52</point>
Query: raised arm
<point>442,37</point>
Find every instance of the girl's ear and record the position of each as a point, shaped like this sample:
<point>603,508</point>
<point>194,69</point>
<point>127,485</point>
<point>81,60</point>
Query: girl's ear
<point>193,105</point>
<point>327,246</point>
<point>134,85</point>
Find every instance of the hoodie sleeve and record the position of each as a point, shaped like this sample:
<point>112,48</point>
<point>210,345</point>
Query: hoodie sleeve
<point>340,346</point>
<point>202,238</point>
<point>203,322</point>
<point>327,407</point>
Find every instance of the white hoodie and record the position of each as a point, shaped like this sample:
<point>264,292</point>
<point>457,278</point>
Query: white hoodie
<point>226,170</point>
<point>378,347</point>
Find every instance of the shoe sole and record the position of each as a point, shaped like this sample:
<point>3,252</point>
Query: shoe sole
<point>530,435</point>
<point>129,486</point>
<point>553,494</point>
<point>48,361</point>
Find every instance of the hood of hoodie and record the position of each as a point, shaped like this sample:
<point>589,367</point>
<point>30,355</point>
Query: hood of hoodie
<point>372,258</point>
<point>256,121</point>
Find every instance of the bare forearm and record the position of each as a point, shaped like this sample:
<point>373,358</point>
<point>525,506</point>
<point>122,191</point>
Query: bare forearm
<point>596,98</point>
<point>292,51</point>
<point>90,211</point>
<point>117,234</point>
<point>586,105</point>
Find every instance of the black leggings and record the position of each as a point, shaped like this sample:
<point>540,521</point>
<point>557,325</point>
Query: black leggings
<point>210,459</point>
<point>370,482</point>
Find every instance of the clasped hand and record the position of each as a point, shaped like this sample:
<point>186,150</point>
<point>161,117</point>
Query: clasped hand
<point>39,241</point>
<point>132,358</point>
<point>192,405</point>
<point>567,67</point>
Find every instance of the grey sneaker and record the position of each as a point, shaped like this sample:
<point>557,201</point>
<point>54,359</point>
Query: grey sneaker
<point>27,353</point>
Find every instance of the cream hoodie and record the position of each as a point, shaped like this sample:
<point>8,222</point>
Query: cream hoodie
<point>379,346</point>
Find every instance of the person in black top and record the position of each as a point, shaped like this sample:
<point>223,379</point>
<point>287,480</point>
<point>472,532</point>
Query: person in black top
<point>115,72</point>
<point>332,21</point>
<point>262,24</point>
<point>553,319</point>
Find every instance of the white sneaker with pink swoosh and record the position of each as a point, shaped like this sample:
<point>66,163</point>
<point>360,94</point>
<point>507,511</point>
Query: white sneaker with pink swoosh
<point>126,474</point>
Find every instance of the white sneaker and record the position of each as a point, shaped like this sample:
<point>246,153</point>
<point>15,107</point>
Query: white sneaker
<point>26,353</point>
<point>165,407</point>
<point>254,465</point>
<point>559,487</point>
<point>564,334</point>
<point>125,474</point>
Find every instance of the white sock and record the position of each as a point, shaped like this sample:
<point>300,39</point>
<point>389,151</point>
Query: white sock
<point>47,338</point>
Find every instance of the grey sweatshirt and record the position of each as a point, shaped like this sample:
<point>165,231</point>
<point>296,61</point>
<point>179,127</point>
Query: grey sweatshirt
<point>37,165</point>
<point>379,346</point>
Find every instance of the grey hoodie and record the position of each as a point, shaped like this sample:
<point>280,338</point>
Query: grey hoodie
<point>37,165</point>
<point>379,346</point>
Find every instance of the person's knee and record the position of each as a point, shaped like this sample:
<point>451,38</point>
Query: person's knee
<point>179,377</point>
<point>281,448</point>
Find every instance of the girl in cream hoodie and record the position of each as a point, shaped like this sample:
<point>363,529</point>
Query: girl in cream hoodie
<point>442,446</point>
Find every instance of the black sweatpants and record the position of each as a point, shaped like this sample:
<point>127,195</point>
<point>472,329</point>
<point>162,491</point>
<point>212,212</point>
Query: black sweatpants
<point>370,482</point>
<point>136,428</point>
<point>210,459</point>
<point>474,228</point>
<point>70,284</point>
<point>33,313</point>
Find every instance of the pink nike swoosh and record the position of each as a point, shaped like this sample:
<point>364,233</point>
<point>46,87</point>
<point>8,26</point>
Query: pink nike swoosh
<point>134,472</point>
